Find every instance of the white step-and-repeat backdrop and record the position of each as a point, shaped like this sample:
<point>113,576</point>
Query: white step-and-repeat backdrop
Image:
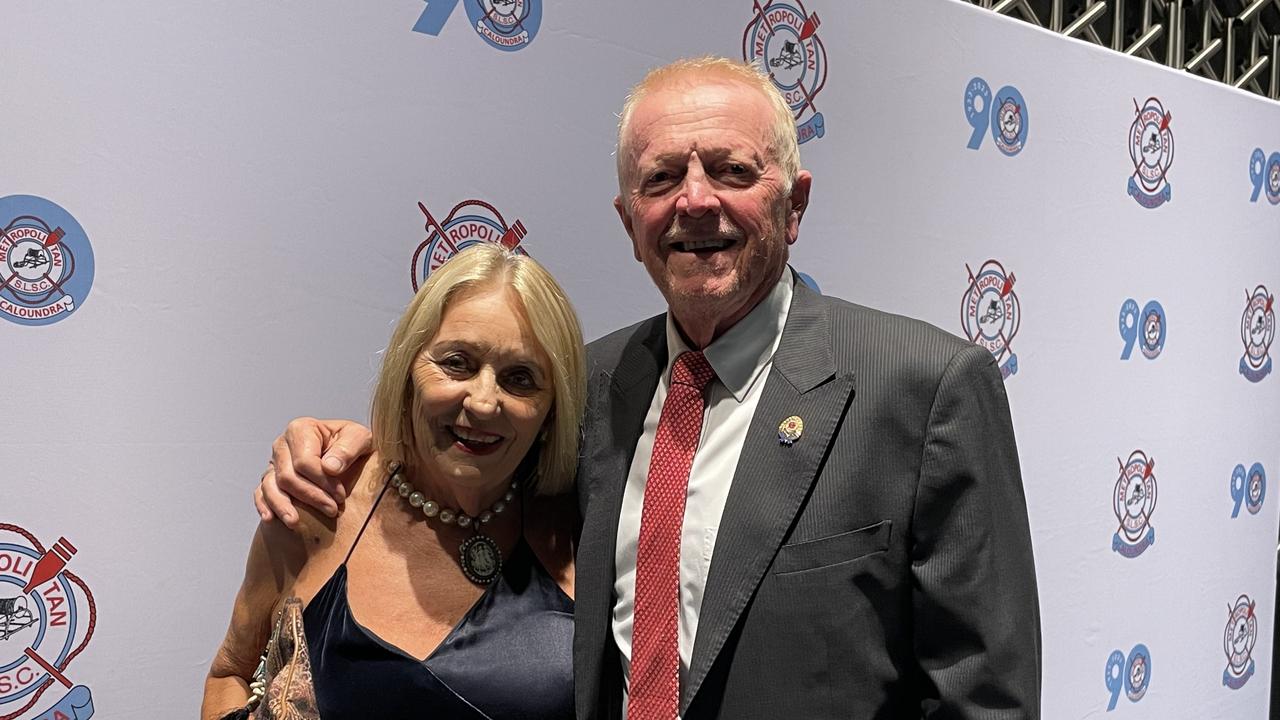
<point>213,212</point>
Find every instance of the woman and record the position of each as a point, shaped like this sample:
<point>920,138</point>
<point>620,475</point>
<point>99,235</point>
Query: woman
<point>445,588</point>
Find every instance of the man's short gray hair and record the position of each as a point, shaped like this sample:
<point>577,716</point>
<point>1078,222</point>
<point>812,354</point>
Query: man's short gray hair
<point>786,149</point>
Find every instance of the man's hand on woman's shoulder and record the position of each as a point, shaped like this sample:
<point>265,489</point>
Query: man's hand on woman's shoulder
<point>307,462</point>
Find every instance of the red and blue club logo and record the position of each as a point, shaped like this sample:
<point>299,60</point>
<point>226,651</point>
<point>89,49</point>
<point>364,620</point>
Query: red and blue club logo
<point>470,222</point>
<point>47,618</point>
<point>1257,332</point>
<point>46,262</point>
<point>1238,639</point>
<point>1151,151</point>
<point>991,314</point>
<point>782,39</point>
<point>1133,500</point>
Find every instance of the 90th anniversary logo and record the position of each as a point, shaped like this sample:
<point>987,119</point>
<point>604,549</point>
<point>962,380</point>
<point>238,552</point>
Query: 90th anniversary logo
<point>1264,173</point>
<point>507,25</point>
<point>991,314</point>
<point>1007,117</point>
<point>1146,328</point>
<point>47,617</point>
<point>782,38</point>
<point>46,263</point>
<point>1248,488</point>
<point>469,222</point>
<point>1131,674</point>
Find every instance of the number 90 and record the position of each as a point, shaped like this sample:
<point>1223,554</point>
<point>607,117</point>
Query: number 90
<point>1007,117</point>
<point>1147,328</point>
<point>1131,674</point>
<point>1264,173</point>
<point>1248,488</point>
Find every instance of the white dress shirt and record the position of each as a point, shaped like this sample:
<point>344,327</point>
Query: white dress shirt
<point>741,359</point>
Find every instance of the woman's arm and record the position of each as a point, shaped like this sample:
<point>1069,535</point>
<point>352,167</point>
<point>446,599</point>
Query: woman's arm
<point>276,556</point>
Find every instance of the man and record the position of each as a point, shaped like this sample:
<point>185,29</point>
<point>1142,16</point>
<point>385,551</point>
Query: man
<point>838,527</point>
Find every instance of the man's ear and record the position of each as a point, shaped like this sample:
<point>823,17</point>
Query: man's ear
<point>799,203</point>
<point>626,224</point>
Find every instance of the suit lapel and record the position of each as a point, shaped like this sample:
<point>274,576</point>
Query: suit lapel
<point>620,399</point>
<point>772,480</point>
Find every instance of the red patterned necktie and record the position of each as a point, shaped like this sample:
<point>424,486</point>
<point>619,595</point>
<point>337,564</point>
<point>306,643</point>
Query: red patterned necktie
<point>654,692</point>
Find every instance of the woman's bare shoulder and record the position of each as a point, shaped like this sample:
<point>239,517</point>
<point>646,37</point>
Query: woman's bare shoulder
<point>321,534</point>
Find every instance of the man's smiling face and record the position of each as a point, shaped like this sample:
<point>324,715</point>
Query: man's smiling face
<point>704,198</point>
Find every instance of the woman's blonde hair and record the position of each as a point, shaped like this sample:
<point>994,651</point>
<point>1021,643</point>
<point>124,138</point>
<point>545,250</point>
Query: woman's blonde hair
<point>554,324</point>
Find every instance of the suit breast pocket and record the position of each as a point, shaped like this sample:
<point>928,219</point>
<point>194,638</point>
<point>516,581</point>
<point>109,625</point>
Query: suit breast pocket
<point>832,550</point>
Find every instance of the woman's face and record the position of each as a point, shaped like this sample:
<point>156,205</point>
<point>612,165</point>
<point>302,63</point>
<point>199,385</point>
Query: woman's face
<point>482,391</point>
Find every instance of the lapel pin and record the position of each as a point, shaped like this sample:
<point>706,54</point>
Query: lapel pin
<point>790,430</point>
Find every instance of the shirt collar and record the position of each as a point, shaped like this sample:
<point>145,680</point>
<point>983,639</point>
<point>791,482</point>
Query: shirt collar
<point>743,352</point>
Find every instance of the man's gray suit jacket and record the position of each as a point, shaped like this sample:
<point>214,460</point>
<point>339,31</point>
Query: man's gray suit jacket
<point>879,567</point>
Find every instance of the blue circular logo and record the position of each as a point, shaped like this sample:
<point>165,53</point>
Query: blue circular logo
<point>1273,179</point>
<point>1137,674</point>
<point>507,25</point>
<point>46,262</point>
<point>1009,121</point>
<point>1153,329</point>
<point>1255,488</point>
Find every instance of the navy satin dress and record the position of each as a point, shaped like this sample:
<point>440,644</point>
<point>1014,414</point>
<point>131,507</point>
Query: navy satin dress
<point>511,655</point>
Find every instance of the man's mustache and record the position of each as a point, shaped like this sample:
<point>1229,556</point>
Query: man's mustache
<point>684,232</point>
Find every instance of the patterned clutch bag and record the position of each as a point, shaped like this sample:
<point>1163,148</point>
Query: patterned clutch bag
<point>282,687</point>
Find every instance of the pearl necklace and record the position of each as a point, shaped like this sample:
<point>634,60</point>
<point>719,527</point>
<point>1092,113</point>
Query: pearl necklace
<point>481,559</point>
